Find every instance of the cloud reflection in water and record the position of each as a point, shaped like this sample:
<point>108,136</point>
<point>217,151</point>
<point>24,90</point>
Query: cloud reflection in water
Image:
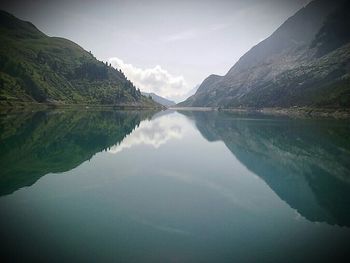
<point>155,133</point>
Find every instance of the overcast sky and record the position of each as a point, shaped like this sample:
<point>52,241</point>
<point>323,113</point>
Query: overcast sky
<point>163,46</point>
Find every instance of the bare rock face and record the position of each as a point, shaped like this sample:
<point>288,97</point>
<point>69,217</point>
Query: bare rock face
<point>305,62</point>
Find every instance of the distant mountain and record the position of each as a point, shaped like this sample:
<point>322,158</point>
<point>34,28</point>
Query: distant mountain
<point>191,92</point>
<point>36,68</point>
<point>163,101</point>
<point>305,62</point>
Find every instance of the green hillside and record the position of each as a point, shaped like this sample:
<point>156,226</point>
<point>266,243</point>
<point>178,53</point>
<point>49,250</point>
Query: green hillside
<point>36,68</point>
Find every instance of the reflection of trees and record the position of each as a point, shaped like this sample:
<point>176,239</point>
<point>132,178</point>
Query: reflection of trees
<point>34,144</point>
<point>305,162</point>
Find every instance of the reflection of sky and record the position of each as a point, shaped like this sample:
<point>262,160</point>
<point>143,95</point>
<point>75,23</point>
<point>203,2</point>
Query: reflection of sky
<point>188,195</point>
<point>154,132</point>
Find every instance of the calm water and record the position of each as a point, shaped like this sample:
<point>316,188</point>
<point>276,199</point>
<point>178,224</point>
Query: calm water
<point>173,187</point>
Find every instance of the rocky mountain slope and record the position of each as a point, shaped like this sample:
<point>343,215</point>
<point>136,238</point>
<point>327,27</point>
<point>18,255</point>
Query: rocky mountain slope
<point>305,62</point>
<point>36,68</point>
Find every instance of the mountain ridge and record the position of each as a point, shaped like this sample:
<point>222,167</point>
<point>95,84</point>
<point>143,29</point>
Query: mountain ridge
<point>285,69</point>
<point>36,68</point>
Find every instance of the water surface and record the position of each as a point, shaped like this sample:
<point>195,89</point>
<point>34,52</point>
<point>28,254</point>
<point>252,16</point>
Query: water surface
<point>186,186</point>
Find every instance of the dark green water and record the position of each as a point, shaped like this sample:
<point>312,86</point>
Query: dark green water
<point>173,187</point>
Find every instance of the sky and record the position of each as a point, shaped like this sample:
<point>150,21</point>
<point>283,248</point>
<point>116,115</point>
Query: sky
<point>166,47</point>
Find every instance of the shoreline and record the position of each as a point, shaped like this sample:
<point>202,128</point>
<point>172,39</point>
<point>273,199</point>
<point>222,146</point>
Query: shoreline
<point>304,112</point>
<point>299,112</point>
<point>47,106</point>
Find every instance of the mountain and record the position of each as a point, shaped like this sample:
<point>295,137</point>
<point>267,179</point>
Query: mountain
<point>189,93</point>
<point>304,162</point>
<point>36,68</point>
<point>28,153</point>
<point>305,62</point>
<point>163,101</point>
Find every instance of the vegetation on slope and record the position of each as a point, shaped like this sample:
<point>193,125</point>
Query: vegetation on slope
<point>40,69</point>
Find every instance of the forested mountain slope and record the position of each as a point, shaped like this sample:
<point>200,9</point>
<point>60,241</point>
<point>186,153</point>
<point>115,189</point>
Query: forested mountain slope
<point>37,68</point>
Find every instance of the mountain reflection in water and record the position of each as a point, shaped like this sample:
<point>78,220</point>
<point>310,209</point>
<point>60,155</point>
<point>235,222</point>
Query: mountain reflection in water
<point>136,186</point>
<point>305,162</point>
<point>35,144</point>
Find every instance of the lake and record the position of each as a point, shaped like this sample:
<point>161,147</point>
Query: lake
<point>187,186</point>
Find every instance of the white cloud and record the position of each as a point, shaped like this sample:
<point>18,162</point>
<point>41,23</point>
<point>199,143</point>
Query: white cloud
<point>156,80</point>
